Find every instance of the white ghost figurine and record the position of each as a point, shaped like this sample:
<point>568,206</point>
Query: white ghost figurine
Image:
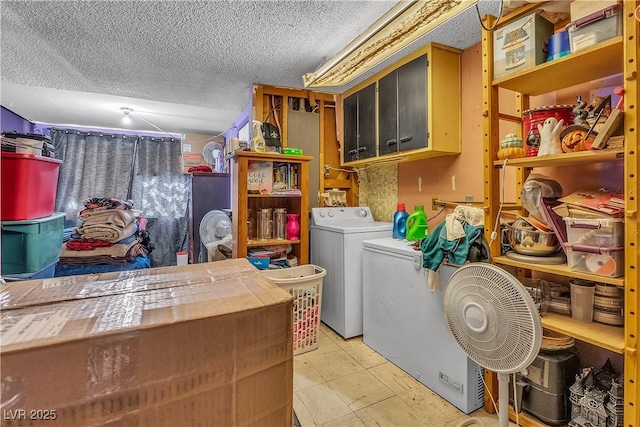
<point>550,137</point>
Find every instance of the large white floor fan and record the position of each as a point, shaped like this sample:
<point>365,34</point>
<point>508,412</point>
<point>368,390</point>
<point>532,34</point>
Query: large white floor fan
<point>495,321</point>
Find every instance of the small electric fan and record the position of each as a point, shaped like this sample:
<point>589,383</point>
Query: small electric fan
<point>213,154</point>
<point>215,229</point>
<point>495,321</point>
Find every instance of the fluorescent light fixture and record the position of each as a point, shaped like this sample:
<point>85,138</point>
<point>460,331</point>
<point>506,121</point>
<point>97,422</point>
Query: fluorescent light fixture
<point>400,26</point>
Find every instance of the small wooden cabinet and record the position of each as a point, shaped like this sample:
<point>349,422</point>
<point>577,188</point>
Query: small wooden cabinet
<point>360,124</point>
<point>244,202</point>
<point>417,109</point>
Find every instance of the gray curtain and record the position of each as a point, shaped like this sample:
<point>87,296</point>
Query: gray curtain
<point>162,190</point>
<point>143,169</point>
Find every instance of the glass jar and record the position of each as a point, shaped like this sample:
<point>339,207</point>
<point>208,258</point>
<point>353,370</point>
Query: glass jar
<point>264,222</point>
<point>279,223</point>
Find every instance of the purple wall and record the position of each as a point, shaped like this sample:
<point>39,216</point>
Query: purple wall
<point>11,122</point>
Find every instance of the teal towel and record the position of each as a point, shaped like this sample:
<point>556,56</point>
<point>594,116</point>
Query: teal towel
<point>436,247</point>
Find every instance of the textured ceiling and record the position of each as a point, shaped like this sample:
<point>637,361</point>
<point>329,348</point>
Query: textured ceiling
<point>183,66</point>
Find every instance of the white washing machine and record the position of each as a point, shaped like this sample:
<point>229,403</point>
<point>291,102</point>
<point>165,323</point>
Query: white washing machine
<point>336,245</point>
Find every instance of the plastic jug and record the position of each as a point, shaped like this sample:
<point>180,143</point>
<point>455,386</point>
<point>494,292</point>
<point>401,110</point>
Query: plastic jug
<point>417,227</point>
<point>400,222</point>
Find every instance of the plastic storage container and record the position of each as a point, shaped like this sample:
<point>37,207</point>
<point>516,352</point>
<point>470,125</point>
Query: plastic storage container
<point>304,283</point>
<point>47,272</point>
<point>29,246</point>
<point>600,261</point>
<point>29,185</point>
<point>595,28</point>
<point>606,232</point>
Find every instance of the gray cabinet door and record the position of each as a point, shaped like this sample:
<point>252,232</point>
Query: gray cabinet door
<point>388,113</point>
<point>367,122</point>
<point>350,143</point>
<point>412,104</point>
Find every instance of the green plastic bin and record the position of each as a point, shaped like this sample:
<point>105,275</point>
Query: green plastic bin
<point>29,246</point>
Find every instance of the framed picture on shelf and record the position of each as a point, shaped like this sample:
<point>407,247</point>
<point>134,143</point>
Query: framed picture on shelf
<point>260,177</point>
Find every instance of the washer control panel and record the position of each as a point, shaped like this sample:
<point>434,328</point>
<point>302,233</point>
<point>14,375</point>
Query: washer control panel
<point>342,214</point>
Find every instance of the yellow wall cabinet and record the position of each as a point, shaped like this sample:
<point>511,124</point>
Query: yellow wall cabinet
<point>416,111</point>
<point>245,203</point>
<point>613,56</point>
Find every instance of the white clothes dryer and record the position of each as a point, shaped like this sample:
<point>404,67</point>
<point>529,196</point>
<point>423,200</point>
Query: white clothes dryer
<point>336,245</point>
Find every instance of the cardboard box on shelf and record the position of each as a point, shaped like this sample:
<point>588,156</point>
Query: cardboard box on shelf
<point>191,148</point>
<point>520,45</point>
<point>203,344</point>
<point>579,9</point>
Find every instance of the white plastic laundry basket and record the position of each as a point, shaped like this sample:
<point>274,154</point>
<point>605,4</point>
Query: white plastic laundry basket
<point>304,283</point>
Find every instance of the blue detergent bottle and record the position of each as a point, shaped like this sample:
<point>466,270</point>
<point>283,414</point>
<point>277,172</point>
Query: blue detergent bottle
<point>400,222</point>
<point>417,227</point>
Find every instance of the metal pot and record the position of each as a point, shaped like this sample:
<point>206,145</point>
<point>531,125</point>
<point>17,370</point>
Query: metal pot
<point>527,241</point>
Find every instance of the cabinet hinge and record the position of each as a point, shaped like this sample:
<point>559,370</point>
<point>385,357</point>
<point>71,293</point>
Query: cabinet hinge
<point>427,62</point>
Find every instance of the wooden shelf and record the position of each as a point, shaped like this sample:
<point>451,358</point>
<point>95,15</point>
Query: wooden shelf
<point>271,242</point>
<point>270,196</point>
<point>242,202</point>
<point>604,336</point>
<point>560,270</point>
<point>601,60</point>
<point>274,157</point>
<point>524,419</point>
<point>566,159</point>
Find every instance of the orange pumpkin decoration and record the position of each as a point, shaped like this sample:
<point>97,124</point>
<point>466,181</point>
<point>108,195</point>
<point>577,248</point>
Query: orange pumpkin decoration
<point>574,140</point>
<point>511,153</point>
<point>511,147</point>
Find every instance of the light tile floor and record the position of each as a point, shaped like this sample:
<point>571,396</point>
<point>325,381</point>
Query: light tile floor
<point>347,384</point>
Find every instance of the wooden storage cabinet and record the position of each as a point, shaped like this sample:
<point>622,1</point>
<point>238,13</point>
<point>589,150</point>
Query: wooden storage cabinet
<point>360,122</point>
<point>617,55</point>
<point>417,113</point>
<point>242,202</point>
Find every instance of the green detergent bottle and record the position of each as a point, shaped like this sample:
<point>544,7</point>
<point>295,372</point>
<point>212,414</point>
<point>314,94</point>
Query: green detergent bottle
<point>417,227</point>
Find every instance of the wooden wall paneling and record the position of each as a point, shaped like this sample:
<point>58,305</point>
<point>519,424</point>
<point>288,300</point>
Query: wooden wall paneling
<point>321,151</point>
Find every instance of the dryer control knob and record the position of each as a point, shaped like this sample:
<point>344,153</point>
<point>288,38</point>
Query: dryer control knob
<point>362,213</point>
<point>322,214</point>
<point>331,214</point>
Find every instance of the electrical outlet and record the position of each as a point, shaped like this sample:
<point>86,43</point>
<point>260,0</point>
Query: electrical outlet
<point>434,204</point>
<point>468,199</point>
<point>444,377</point>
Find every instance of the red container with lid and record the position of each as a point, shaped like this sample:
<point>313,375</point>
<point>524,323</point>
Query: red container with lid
<point>536,116</point>
<point>29,185</point>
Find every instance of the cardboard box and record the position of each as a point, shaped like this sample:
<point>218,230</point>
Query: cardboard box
<point>579,9</point>
<point>520,45</point>
<point>191,148</point>
<point>204,344</point>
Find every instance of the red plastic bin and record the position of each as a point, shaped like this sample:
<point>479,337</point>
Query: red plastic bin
<point>29,185</point>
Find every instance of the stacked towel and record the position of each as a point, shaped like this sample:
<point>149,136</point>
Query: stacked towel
<point>109,234</point>
<point>111,225</point>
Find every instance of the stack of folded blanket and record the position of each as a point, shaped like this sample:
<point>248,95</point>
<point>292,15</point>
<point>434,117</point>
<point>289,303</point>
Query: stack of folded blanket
<point>110,234</point>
